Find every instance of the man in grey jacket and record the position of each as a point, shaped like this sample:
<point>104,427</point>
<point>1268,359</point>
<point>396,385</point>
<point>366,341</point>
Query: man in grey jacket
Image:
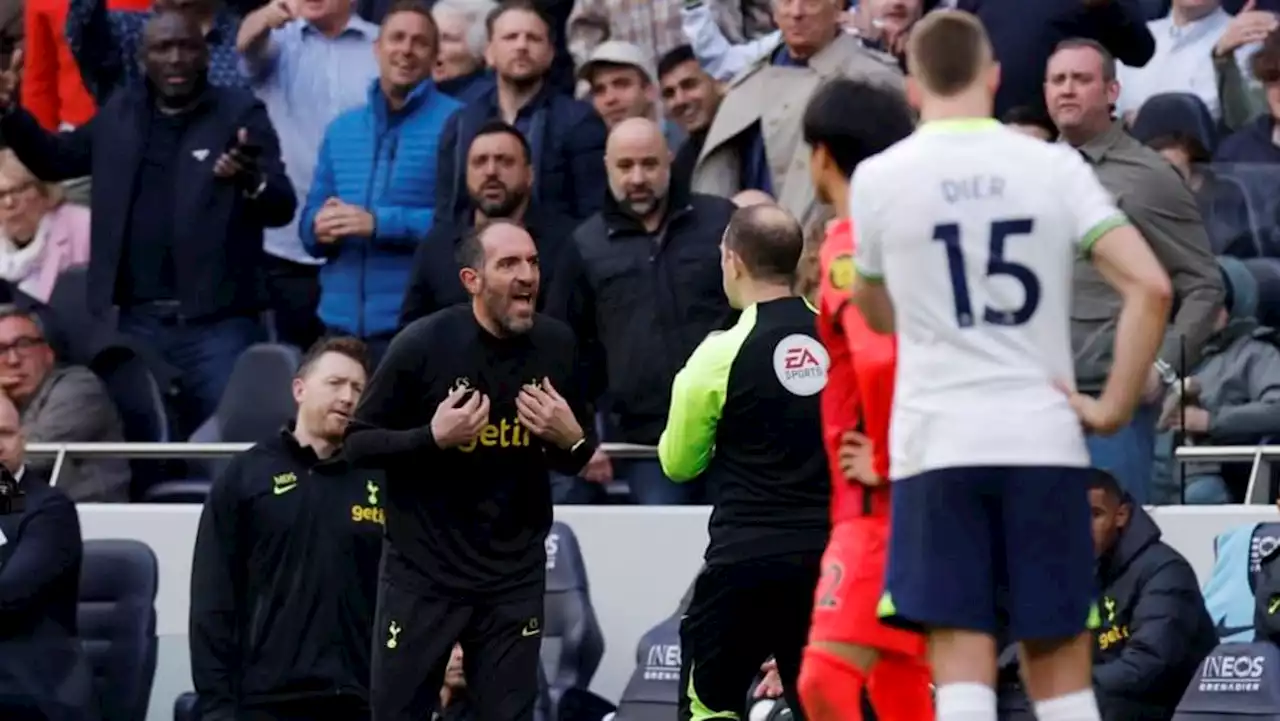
<point>60,404</point>
<point>1233,397</point>
<point>1080,90</point>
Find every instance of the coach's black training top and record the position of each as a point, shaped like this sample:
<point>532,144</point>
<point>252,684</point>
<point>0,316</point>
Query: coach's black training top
<point>285,579</point>
<point>745,415</point>
<point>468,521</point>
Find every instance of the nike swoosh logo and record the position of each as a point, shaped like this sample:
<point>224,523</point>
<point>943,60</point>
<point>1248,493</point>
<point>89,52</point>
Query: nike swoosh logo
<point>281,490</point>
<point>1225,631</point>
<point>528,633</point>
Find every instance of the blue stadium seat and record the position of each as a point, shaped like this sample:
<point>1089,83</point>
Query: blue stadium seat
<point>1261,183</point>
<point>1236,681</point>
<point>257,402</point>
<point>1267,272</point>
<point>572,641</point>
<point>185,708</point>
<point>653,692</point>
<point>1176,114</point>
<point>191,490</point>
<point>117,620</point>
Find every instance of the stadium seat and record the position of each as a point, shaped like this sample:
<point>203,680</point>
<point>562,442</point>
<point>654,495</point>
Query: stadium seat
<point>117,620</point>
<point>1229,593</point>
<point>1267,272</point>
<point>82,331</point>
<point>1236,680</point>
<point>1176,114</point>
<point>257,402</point>
<point>572,641</point>
<point>191,490</point>
<point>136,395</point>
<point>653,692</point>
<point>185,708</point>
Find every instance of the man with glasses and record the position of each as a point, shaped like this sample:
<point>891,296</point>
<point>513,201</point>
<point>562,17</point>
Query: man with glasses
<point>60,404</point>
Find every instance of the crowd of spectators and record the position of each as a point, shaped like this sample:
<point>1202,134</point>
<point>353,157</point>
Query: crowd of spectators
<point>188,179</point>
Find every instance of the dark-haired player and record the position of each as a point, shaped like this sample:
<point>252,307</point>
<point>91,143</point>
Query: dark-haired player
<point>466,414</point>
<point>283,580</point>
<point>744,415</point>
<point>850,651</point>
<point>968,236</point>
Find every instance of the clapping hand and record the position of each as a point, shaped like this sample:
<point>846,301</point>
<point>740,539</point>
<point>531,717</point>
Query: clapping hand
<point>547,415</point>
<point>458,421</point>
<point>337,219</point>
<point>278,13</point>
<point>240,162</point>
<point>9,81</point>
<point>1247,26</point>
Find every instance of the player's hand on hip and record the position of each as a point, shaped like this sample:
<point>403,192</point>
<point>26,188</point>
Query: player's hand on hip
<point>1097,416</point>
<point>459,419</point>
<point>857,459</point>
<point>547,414</point>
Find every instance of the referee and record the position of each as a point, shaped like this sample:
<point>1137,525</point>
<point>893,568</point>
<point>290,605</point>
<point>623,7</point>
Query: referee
<point>744,411</point>
<point>466,414</point>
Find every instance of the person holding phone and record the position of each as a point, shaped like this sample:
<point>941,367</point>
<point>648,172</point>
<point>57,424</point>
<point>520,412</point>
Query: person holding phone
<point>186,175</point>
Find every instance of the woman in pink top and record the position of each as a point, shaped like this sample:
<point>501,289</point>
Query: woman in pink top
<point>40,234</point>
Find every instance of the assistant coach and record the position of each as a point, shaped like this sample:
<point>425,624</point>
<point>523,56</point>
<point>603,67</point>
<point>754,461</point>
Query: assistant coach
<point>466,415</point>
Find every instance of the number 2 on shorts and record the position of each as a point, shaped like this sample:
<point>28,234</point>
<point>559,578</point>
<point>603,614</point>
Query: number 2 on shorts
<point>949,235</point>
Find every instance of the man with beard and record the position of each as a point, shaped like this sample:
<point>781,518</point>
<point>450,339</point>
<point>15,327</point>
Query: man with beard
<point>640,286</point>
<point>690,97</point>
<point>499,182</point>
<point>466,414</point>
<point>284,578</point>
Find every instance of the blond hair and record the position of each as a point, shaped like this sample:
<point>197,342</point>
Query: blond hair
<point>947,51</point>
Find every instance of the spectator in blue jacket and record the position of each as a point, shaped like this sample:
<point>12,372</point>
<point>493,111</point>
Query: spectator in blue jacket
<point>371,200</point>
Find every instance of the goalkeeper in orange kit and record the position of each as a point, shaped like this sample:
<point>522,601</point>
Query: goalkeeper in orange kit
<point>850,651</point>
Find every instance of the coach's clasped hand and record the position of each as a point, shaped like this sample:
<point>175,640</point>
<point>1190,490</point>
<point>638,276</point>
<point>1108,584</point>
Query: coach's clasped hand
<point>547,415</point>
<point>857,459</point>
<point>459,419</point>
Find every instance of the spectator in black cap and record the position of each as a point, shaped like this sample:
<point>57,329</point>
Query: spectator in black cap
<point>1233,396</point>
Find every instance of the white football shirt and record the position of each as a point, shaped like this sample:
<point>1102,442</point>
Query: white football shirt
<point>974,229</point>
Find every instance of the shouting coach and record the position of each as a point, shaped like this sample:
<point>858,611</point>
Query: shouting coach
<point>466,416</point>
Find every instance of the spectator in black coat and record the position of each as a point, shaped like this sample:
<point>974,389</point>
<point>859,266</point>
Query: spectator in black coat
<point>1024,34</point>
<point>187,175</point>
<point>565,135</point>
<point>1154,630</point>
<point>43,673</point>
<point>499,185</point>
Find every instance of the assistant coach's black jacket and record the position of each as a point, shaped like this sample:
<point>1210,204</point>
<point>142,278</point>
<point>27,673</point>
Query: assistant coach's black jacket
<point>284,580</point>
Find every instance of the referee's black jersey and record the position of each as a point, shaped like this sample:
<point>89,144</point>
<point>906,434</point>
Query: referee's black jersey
<point>285,580</point>
<point>745,414</point>
<point>468,521</point>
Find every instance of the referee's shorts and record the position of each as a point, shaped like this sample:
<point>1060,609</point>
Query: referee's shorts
<point>413,638</point>
<point>741,614</point>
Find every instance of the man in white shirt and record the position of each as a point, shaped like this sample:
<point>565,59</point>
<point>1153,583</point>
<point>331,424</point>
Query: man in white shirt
<point>1187,41</point>
<point>974,228</point>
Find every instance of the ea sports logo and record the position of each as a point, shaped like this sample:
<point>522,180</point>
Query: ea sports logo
<point>801,363</point>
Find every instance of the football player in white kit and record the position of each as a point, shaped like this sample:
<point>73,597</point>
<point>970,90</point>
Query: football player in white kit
<point>967,234</point>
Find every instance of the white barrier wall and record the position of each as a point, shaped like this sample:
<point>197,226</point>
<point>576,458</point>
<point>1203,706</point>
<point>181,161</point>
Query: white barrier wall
<point>639,561</point>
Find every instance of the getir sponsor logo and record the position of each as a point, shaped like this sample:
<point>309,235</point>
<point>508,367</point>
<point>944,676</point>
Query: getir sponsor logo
<point>663,662</point>
<point>1112,636</point>
<point>503,434</point>
<point>368,514</point>
<point>1232,674</point>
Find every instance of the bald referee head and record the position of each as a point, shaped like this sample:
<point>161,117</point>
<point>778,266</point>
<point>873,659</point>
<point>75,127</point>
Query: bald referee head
<point>758,253</point>
<point>951,66</point>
